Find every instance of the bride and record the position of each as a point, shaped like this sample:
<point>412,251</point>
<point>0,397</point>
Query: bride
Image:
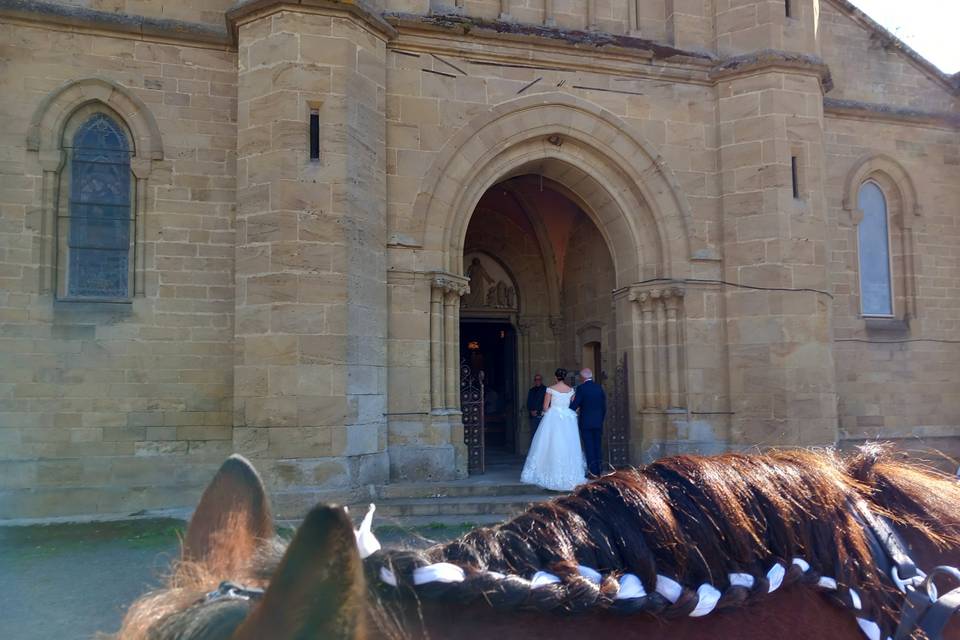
<point>556,459</point>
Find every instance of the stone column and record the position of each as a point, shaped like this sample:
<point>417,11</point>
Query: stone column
<point>445,293</point>
<point>526,377</point>
<point>311,323</point>
<point>672,304</point>
<point>659,312</point>
<point>649,350</point>
<point>637,367</point>
<point>660,361</point>
<point>140,167</point>
<point>51,161</point>
<point>436,347</point>
<point>451,331</point>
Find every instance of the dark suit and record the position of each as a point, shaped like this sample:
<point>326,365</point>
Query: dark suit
<point>592,403</point>
<point>535,404</point>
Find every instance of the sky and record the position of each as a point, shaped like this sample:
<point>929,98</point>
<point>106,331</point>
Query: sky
<point>930,27</point>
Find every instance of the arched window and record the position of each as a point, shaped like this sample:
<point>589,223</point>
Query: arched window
<point>873,239</point>
<point>96,213</point>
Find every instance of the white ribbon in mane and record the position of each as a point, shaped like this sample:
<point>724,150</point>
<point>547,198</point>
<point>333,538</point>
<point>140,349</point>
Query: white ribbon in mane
<point>367,543</point>
<point>630,586</point>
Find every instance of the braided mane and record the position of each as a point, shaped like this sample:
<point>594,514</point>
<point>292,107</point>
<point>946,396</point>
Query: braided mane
<point>696,521</point>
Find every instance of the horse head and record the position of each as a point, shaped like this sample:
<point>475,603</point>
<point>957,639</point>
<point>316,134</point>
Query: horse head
<point>235,581</point>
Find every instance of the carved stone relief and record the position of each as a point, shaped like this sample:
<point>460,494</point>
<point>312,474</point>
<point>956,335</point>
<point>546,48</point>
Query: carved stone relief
<point>491,287</point>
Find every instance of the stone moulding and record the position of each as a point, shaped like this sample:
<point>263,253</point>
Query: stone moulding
<point>141,26</point>
<point>47,122</point>
<point>498,141</point>
<point>897,115</point>
<point>358,9</point>
<point>893,176</point>
<point>771,59</point>
<point>510,30</point>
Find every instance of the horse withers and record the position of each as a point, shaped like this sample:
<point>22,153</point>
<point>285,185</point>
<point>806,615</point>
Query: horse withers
<point>774,545</point>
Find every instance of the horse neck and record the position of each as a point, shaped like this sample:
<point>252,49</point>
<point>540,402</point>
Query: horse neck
<point>793,612</point>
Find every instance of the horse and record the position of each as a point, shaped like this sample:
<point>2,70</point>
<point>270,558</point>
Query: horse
<point>775,544</point>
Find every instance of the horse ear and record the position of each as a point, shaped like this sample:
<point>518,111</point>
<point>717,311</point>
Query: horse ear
<point>318,589</point>
<point>234,512</point>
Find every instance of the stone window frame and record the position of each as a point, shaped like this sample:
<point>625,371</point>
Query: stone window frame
<point>47,136</point>
<point>64,214</point>
<point>903,211</point>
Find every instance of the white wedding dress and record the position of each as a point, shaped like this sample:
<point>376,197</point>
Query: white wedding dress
<point>556,459</point>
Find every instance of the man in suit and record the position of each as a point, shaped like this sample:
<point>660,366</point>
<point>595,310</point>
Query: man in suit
<point>535,403</point>
<point>591,402</point>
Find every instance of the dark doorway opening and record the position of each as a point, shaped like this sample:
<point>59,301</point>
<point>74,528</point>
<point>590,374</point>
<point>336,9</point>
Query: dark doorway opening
<point>491,347</point>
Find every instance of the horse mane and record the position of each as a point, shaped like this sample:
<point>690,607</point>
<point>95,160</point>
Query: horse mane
<point>695,520</point>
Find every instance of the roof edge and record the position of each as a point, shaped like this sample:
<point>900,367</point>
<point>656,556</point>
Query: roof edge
<point>47,13</point>
<point>949,82</point>
<point>899,115</point>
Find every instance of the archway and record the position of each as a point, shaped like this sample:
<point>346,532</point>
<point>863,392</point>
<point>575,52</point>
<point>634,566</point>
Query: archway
<point>623,190</point>
<point>541,280</point>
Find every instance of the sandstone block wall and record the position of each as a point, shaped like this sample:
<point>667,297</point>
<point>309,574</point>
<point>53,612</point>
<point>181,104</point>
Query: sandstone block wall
<point>119,407</point>
<point>866,66</point>
<point>905,390</point>
<point>297,311</point>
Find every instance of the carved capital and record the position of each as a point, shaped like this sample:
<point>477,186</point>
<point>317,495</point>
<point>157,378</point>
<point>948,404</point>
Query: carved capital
<point>450,283</point>
<point>648,295</point>
<point>673,297</point>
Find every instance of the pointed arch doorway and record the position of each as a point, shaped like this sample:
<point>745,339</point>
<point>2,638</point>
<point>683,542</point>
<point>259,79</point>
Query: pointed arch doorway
<point>623,187</point>
<point>541,297</point>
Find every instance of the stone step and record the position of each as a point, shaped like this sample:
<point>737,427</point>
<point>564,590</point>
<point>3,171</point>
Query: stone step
<point>452,489</point>
<point>466,507</point>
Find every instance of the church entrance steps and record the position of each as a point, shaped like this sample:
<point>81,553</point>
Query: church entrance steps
<point>467,507</point>
<point>456,489</point>
<point>482,499</point>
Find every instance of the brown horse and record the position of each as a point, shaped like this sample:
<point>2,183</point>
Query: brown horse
<point>732,546</point>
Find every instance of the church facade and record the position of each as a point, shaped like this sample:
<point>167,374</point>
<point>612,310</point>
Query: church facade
<point>300,230</point>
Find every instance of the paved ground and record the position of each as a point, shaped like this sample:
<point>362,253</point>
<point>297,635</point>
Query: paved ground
<point>73,580</point>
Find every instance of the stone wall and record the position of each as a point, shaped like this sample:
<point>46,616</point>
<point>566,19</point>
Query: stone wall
<point>205,11</point>
<point>118,407</point>
<point>867,67</point>
<point>587,298</point>
<point>302,312</point>
<point>906,390</point>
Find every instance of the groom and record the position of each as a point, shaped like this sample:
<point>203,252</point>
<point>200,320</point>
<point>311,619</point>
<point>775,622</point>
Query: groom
<point>592,403</point>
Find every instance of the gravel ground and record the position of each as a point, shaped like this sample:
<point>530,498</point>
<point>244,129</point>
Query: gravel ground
<point>69,581</point>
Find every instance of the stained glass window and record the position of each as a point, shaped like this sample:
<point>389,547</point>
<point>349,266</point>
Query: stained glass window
<point>876,292</point>
<point>99,212</point>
